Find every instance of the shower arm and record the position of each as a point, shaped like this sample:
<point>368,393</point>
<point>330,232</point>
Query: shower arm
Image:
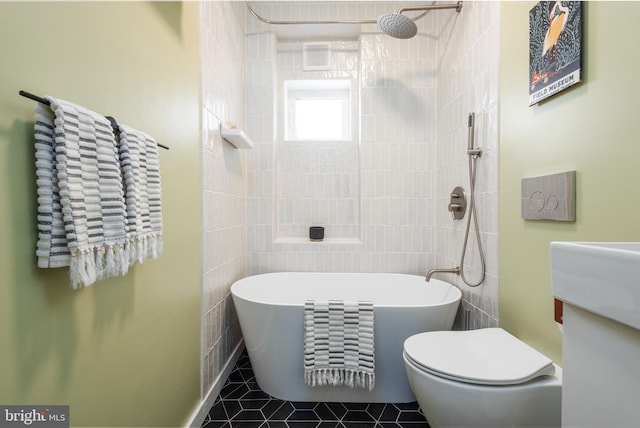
<point>457,6</point>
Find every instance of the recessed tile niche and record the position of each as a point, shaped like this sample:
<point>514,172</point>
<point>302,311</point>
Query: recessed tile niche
<point>317,180</point>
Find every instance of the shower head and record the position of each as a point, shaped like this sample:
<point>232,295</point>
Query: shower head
<point>397,25</point>
<point>401,27</point>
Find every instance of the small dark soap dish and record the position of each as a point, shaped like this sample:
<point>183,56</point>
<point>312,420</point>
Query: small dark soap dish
<point>316,233</point>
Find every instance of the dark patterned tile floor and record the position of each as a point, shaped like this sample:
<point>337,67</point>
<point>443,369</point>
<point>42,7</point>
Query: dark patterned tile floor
<point>242,404</point>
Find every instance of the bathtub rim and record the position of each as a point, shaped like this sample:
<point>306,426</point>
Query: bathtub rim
<point>457,293</point>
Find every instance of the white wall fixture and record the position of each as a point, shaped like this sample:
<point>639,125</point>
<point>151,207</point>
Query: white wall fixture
<point>316,56</point>
<point>236,136</point>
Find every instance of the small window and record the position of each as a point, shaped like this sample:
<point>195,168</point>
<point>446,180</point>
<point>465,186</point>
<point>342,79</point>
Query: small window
<point>317,110</point>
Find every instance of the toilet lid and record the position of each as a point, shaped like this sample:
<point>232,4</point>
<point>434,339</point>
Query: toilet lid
<point>489,356</point>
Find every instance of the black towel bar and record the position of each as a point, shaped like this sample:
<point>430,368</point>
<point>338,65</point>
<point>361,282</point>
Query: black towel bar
<point>114,124</point>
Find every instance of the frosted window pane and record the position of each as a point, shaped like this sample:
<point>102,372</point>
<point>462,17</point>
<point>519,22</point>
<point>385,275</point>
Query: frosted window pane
<point>319,119</point>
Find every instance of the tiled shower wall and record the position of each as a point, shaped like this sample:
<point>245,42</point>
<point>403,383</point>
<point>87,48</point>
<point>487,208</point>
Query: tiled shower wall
<point>467,65</point>
<point>318,182</point>
<point>396,161</point>
<point>415,98</point>
<point>224,182</point>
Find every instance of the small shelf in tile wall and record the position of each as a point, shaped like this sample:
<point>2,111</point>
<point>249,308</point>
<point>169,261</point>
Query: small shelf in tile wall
<point>235,136</point>
<point>325,241</point>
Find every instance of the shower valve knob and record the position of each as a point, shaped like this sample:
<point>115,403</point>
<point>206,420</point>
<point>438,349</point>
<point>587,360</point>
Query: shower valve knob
<point>457,203</point>
<point>453,209</point>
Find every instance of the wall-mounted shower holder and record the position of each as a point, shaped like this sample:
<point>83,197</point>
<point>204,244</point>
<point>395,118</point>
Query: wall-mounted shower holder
<point>458,203</point>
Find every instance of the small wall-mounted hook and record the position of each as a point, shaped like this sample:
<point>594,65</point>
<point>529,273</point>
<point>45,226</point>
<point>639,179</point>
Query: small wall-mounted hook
<point>458,203</point>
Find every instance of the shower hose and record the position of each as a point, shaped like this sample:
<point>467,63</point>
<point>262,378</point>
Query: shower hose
<point>474,154</point>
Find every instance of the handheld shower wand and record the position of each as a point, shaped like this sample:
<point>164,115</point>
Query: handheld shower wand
<point>473,154</point>
<point>471,150</point>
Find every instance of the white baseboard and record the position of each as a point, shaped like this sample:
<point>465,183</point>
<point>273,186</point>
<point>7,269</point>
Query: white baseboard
<point>199,415</point>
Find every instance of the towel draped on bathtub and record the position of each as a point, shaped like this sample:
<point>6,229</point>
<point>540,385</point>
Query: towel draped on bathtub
<point>339,344</point>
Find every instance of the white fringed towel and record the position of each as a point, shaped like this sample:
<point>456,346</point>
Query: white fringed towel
<point>339,344</point>
<point>141,173</point>
<point>81,210</point>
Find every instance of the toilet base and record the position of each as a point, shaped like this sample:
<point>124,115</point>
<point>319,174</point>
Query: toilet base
<point>447,403</point>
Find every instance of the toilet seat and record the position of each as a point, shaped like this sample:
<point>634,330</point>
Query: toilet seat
<point>488,356</point>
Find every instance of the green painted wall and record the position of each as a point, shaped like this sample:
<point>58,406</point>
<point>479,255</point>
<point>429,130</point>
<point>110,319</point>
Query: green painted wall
<point>593,129</point>
<point>125,351</point>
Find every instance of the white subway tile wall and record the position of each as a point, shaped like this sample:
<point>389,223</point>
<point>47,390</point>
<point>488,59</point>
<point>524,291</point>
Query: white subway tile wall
<point>468,58</point>
<point>383,203</point>
<point>317,182</point>
<point>374,195</point>
<point>224,182</point>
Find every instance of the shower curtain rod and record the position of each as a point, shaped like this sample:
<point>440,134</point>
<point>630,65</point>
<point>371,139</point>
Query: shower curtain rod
<point>427,9</point>
<point>43,101</point>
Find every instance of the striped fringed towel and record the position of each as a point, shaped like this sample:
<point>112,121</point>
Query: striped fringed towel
<point>52,249</point>
<point>81,217</point>
<point>338,344</point>
<point>141,172</point>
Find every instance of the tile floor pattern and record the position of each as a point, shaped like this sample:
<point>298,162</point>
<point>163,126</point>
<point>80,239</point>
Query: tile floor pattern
<point>242,404</point>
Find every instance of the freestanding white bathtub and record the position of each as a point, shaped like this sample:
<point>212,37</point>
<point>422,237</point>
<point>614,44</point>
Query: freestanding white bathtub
<point>270,309</point>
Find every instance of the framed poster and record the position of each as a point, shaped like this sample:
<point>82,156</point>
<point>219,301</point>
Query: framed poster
<point>555,48</point>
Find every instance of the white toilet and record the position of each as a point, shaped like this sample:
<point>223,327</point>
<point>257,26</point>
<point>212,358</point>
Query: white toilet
<point>482,378</point>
